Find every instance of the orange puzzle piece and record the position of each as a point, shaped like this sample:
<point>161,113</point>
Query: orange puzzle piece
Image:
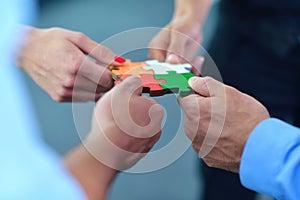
<point>133,68</point>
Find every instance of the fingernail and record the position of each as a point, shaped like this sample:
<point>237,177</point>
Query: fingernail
<point>119,59</point>
<point>172,58</point>
<point>193,80</point>
<point>202,59</point>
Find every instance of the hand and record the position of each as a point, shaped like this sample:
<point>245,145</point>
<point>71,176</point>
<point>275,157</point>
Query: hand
<point>125,127</point>
<point>56,60</point>
<point>125,124</point>
<point>178,41</point>
<point>181,38</point>
<point>219,120</point>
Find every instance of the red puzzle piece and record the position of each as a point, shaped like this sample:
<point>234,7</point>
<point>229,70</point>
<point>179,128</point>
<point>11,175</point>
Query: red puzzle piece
<point>150,84</point>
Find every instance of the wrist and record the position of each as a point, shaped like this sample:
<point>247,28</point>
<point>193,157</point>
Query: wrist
<point>21,57</point>
<point>192,9</point>
<point>94,177</point>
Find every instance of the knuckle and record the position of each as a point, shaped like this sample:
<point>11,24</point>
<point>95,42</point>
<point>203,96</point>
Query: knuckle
<point>213,164</point>
<point>196,147</point>
<point>54,30</point>
<point>154,43</point>
<point>206,84</point>
<point>106,80</point>
<point>74,65</point>
<point>193,132</point>
<point>69,81</point>
<point>208,161</point>
<point>104,52</point>
<point>208,80</point>
<point>231,90</point>
<point>57,98</point>
<point>62,92</point>
<point>189,134</point>
<point>80,37</point>
<point>191,112</point>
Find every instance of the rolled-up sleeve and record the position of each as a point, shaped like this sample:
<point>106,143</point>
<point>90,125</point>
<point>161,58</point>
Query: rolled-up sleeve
<point>270,162</point>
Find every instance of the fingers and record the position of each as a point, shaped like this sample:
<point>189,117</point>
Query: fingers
<point>194,114</point>
<point>188,50</point>
<point>82,83</point>
<point>173,46</point>
<point>136,115</point>
<point>189,105</point>
<point>177,47</point>
<point>197,65</point>
<point>173,59</point>
<point>98,74</point>
<point>158,46</point>
<point>157,54</point>
<point>156,114</point>
<point>105,56</point>
<point>98,52</point>
<point>82,96</point>
<point>192,46</point>
<point>207,86</point>
<point>182,47</point>
<point>131,86</point>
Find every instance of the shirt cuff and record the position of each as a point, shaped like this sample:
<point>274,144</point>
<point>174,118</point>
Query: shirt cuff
<point>264,154</point>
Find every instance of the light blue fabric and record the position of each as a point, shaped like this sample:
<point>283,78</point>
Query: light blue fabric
<point>28,169</point>
<point>271,160</point>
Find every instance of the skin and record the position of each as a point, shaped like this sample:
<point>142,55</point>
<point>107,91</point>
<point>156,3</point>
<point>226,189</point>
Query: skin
<point>108,148</point>
<point>219,105</point>
<point>56,60</point>
<point>181,38</point>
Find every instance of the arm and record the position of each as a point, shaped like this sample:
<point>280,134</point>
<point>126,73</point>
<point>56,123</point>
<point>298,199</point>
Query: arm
<point>118,139</point>
<point>57,61</point>
<point>271,160</point>
<point>94,177</point>
<point>196,9</point>
<point>181,38</point>
<point>243,139</point>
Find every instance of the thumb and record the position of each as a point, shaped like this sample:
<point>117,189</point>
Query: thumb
<point>176,47</point>
<point>207,86</point>
<point>131,86</point>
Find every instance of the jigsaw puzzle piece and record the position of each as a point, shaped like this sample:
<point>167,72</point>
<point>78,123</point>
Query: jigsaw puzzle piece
<point>164,67</point>
<point>176,83</point>
<point>150,84</point>
<point>133,68</point>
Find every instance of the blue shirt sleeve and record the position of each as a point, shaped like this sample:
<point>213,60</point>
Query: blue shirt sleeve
<point>270,162</point>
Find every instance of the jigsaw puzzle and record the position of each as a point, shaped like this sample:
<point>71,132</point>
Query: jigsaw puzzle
<point>159,78</point>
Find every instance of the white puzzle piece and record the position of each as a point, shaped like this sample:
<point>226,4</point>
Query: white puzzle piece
<point>164,67</point>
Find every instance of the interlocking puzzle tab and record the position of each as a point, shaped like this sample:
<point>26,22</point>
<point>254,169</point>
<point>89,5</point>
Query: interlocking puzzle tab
<point>158,78</point>
<point>164,67</point>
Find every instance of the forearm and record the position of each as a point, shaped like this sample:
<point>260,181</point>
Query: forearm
<point>94,177</point>
<point>197,8</point>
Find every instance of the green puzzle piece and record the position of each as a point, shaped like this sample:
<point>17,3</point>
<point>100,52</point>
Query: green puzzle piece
<point>175,83</point>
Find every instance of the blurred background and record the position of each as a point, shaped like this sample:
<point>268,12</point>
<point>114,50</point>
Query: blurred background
<point>100,19</point>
